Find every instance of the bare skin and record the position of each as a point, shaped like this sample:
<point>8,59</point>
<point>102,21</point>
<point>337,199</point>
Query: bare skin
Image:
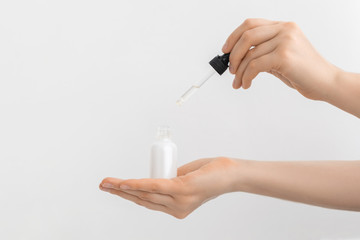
<point>284,51</point>
<point>279,48</point>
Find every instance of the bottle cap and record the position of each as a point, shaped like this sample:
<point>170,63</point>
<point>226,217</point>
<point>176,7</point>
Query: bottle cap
<point>220,63</point>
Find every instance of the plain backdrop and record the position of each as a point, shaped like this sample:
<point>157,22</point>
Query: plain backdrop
<point>84,85</point>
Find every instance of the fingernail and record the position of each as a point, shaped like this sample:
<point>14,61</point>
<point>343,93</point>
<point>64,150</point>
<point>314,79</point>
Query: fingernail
<point>107,185</point>
<point>231,68</point>
<point>124,187</point>
<point>105,189</point>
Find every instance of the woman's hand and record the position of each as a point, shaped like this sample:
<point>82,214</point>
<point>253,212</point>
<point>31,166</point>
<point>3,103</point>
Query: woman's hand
<point>197,182</point>
<point>279,48</point>
<point>331,184</point>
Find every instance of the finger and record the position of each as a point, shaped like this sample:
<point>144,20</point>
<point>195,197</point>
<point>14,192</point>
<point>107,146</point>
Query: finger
<point>111,182</point>
<point>162,199</point>
<point>253,53</point>
<point>262,64</point>
<point>252,37</point>
<point>163,186</point>
<point>246,25</point>
<point>141,202</point>
<point>192,166</point>
<point>159,185</point>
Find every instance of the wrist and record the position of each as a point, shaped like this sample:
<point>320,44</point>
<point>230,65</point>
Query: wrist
<point>241,177</point>
<point>329,93</point>
<point>344,92</point>
<point>330,78</point>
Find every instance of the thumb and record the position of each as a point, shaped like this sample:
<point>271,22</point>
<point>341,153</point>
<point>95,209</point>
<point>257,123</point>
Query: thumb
<point>192,166</point>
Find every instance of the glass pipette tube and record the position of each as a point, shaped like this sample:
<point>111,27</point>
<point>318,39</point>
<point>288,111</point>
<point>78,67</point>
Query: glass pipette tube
<point>195,87</point>
<point>219,65</point>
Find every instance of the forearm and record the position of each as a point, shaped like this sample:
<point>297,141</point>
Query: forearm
<point>344,93</point>
<point>331,184</point>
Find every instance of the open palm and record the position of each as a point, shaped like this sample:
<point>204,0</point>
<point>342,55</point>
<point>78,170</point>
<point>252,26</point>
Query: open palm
<point>197,182</point>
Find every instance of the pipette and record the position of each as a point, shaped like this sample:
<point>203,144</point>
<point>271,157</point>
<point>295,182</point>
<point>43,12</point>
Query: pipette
<point>219,65</point>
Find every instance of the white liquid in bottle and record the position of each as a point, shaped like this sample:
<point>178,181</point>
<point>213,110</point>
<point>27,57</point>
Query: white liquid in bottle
<point>163,155</point>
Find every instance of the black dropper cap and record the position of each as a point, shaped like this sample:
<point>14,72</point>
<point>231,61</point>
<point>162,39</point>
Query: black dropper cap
<point>220,63</point>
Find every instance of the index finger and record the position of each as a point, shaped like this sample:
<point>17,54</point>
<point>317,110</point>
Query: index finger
<point>246,25</point>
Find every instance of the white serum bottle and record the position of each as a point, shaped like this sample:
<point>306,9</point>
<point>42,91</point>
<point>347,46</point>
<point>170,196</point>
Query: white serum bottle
<point>163,155</point>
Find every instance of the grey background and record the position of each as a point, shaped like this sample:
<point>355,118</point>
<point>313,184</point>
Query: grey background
<point>85,84</point>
